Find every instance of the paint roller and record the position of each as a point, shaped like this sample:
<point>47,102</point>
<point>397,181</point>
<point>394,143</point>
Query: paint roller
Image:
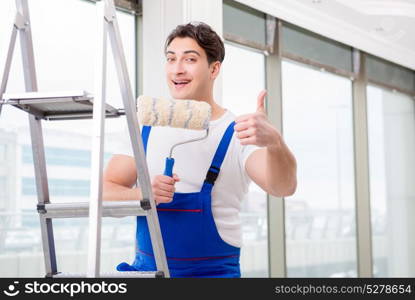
<point>188,114</point>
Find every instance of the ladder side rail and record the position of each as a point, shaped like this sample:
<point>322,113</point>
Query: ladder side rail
<point>48,241</point>
<point>97,153</point>
<point>12,44</point>
<point>135,136</point>
<point>39,161</point>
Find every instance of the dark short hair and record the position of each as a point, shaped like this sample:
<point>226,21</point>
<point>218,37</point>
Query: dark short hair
<point>204,35</point>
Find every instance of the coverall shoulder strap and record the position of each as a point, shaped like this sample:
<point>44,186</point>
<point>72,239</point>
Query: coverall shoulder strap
<point>220,153</point>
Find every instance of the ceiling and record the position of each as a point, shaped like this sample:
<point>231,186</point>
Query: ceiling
<point>391,20</point>
<point>385,28</point>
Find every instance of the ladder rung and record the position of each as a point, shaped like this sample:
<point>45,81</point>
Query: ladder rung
<point>116,274</point>
<point>68,105</point>
<point>116,209</point>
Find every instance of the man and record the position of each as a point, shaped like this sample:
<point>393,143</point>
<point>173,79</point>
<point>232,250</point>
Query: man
<point>199,206</point>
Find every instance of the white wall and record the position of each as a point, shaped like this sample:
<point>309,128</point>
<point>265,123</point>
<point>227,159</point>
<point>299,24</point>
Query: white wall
<point>160,17</point>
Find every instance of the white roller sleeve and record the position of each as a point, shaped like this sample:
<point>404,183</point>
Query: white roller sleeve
<point>189,114</point>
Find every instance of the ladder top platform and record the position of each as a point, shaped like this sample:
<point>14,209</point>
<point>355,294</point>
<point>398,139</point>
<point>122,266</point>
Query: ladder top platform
<point>66,105</point>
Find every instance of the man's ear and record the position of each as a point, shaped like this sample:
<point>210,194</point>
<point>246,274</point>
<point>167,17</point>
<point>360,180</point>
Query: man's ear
<point>215,69</point>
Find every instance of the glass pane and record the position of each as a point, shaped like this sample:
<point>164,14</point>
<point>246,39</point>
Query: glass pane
<point>389,73</point>
<point>391,123</point>
<point>3,192</point>
<point>254,253</point>
<point>301,42</point>
<point>244,22</point>
<point>320,216</point>
<point>65,49</point>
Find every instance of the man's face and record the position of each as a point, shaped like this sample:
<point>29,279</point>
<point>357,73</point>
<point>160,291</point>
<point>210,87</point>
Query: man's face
<point>189,75</point>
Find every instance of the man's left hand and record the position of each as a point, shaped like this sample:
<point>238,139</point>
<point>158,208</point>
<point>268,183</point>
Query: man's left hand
<point>255,129</point>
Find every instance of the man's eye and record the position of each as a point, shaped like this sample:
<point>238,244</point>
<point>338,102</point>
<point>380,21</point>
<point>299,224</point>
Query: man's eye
<point>170,59</point>
<point>191,59</point>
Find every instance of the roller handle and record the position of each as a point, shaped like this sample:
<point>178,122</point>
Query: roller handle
<point>168,170</point>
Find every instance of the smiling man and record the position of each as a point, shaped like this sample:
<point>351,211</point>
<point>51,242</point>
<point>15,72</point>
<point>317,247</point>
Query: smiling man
<point>199,206</point>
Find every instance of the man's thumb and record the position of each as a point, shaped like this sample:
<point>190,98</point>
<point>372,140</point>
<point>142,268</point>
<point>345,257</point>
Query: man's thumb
<point>261,101</point>
<point>176,177</point>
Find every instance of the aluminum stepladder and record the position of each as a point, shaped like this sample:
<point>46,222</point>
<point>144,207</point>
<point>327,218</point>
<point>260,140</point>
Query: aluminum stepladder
<point>81,105</point>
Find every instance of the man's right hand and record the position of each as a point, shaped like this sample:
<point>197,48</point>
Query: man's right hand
<point>163,188</point>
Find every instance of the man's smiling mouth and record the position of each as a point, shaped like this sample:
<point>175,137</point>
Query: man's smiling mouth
<point>180,83</point>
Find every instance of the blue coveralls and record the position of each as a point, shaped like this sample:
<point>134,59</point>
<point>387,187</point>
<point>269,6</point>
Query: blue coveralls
<point>192,243</point>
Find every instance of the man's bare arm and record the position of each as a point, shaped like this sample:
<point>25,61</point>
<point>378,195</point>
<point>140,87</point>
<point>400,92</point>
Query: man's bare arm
<point>273,167</point>
<point>119,178</point>
<point>274,170</point>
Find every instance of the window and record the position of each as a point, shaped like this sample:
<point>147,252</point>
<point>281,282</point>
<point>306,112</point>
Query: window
<point>62,156</point>
<point>320,216</point>
<point>3,192</point>
<point>305,44</point>
<point>391,126</point>
<point>3,151</point>
<point>384,72</point>
<point>58,187</point>
<point>240,94</point>
<point>64,46</point>
<point>244,25</point>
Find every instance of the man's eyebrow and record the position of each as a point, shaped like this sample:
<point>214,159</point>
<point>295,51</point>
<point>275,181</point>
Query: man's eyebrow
<point>191,51</point>
<point>185,52</point>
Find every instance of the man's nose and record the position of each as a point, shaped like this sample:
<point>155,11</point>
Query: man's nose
<point>178,68</point>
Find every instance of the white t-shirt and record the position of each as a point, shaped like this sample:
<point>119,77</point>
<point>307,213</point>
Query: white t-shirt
<point>192,160</point>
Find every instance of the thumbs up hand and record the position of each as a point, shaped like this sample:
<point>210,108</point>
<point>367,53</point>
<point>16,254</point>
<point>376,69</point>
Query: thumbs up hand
<point>255,129</point>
